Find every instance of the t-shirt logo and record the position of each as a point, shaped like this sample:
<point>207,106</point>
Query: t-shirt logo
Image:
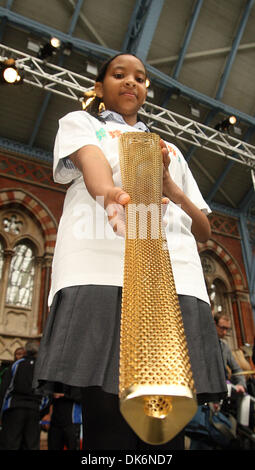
<point>114,134</point>
<point>100,133</point>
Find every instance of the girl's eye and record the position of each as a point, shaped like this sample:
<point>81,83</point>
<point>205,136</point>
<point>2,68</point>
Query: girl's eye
<point>118,75</point>
<point>140,79</point>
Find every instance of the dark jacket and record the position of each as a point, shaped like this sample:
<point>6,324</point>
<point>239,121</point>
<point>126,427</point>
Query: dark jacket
<point>16,387</point>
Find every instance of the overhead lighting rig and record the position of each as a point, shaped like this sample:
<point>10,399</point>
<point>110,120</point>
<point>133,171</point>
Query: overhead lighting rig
<point>49,49</point>
<point>223,126</point>
<point>9,72</point>
<point>50,77</point>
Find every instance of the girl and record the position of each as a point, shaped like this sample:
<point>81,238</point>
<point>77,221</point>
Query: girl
<point>80,346</point>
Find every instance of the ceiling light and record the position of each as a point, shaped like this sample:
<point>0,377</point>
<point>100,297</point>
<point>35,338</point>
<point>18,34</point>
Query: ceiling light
<point>232,120</point>
<point>55,42</point>
<point>9,72</point>
<point>48,49</point>
<point>224,125</point>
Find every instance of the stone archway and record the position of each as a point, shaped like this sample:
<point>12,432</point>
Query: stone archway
<point>38,209</point>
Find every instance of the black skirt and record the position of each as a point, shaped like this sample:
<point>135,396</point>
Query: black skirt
<point>80,343</point>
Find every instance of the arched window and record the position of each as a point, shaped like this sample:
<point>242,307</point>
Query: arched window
<point>217,291</point>
<point>22,249</point>
<point>220,287</point>
<point>21,276</point>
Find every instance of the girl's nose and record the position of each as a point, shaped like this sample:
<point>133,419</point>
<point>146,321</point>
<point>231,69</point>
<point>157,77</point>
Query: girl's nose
<point>130,81</point>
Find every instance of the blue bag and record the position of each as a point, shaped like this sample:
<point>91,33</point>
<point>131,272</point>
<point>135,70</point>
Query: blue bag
<point>213,427</point>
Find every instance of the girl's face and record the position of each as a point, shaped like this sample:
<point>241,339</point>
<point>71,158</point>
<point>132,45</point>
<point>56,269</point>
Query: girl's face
<point>124,87</point>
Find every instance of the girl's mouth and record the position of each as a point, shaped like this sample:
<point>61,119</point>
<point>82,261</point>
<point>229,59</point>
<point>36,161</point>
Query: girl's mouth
<point>128,93</point>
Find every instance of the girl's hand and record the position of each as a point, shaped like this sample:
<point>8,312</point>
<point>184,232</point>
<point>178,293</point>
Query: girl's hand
<point>200,225</point>
<point>168,184</point>
<point>170,188</point>
<point>115,203</point>
<point>165,155</point>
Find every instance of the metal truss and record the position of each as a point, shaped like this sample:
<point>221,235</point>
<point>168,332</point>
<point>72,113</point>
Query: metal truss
<point>171,124</point>
<point>48,76</point>
<point>64,82</point>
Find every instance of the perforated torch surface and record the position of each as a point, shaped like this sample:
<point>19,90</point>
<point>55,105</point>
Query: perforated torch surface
<point>153,354</point>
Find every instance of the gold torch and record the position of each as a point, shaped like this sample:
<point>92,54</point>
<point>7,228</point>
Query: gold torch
<point>156,388</point>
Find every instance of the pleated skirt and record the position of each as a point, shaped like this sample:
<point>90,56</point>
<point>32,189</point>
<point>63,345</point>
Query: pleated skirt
<point>81,340</point>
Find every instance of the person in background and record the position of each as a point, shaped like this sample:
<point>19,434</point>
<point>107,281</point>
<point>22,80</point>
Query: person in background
<point>20,407</point>
<point>19,353</point>
<point>223,326</point>
<point>65,420</point>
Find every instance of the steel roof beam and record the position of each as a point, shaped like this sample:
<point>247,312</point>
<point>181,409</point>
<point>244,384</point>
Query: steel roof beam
<point>75,16</point>
<point>101,52</point>
<point>219,181</point>
<point>222,85</point>
<point>142,26</point>
<point>147,32</point>
<point>184,48</point>
<point>4,20</point>
<point>47,98</point>
<point>135,25</point>
<point>80,45</point>
<point>248,198</point>
<point>187,38</point>
<point>232,55</point>
<point>227,67</point>
<point>83,19</point>
<point>200,54</point>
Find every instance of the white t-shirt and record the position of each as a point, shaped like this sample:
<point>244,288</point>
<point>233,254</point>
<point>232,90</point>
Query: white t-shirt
<point>87,250</point>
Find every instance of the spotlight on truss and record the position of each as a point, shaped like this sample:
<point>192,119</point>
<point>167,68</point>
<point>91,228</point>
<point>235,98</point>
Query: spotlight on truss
<point>223,126</point>
<point>9,73</point>
<point>48,49</point>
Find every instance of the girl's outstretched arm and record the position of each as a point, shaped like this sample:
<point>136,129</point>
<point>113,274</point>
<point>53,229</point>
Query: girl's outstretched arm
<point>97,174</point>
<point>200,227</point>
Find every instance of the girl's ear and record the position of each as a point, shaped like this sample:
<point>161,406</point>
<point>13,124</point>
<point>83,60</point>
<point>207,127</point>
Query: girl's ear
<point>99,89</point>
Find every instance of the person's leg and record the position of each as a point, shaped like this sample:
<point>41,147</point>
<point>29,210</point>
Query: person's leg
<point>12,428</point>
<point>72,436</point>
<point>31,432</point>
<point>55,438</point>
<point>103,425</point>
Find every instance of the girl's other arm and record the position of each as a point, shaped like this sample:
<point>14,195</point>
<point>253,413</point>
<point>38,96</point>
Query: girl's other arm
<point>200,227</point>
